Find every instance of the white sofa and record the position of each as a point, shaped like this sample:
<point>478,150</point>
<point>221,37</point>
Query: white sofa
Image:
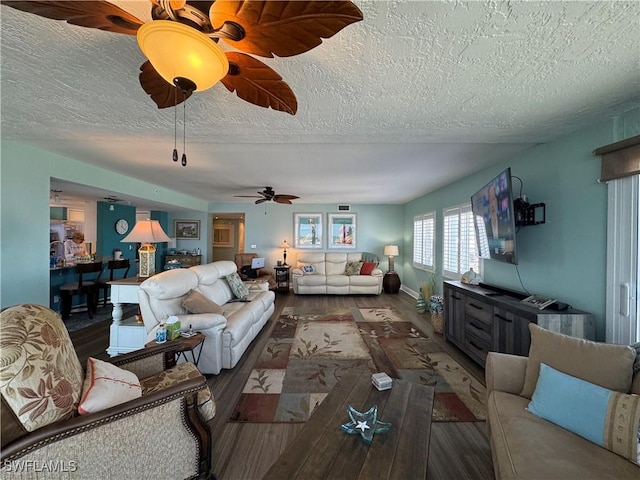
<point>227,335</point>
<point>329,277</point>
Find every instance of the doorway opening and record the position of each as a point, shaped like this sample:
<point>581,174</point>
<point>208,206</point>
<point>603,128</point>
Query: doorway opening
<point>228,236</point>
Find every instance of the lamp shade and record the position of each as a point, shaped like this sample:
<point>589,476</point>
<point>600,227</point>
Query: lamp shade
<point>147,231</point>
<point>391,251</point>
<point>177,50</point>
<point>284,245</point>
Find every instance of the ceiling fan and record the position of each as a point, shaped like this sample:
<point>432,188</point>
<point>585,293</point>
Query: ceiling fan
<point>268,195</point>
<point>264,28</point>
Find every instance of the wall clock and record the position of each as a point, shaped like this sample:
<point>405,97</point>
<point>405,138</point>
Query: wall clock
<point>122,226</point>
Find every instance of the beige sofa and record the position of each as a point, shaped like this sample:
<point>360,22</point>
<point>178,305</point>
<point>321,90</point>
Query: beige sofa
<point>525,446</point>
<point>328,275</point>
<point>228,333</point>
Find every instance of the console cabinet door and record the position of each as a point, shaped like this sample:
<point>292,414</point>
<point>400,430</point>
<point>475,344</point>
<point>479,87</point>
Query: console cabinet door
<point>505,338</point>
<point>454,315</point>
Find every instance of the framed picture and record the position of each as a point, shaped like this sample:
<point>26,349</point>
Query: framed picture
<point>187,229</point>
<point>342,230</point>
<point>307,230</point>
<point>223,235</point>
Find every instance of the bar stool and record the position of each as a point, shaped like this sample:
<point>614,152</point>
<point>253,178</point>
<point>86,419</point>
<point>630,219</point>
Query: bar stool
<point>84,286</point>
<point>113,265</point>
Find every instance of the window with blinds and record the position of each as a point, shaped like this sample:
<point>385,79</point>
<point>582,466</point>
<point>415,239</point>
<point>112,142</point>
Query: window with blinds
<point>424,232</point>
<point>459,242</point>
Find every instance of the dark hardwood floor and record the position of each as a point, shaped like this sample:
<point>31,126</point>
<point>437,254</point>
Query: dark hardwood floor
<point>246,451</point>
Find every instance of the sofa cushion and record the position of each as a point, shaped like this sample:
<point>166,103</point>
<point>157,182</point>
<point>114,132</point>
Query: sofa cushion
<point>106,385</point>
<point>609,366</point>
<point>309,280</point>
<point>526,447</point>
<point>368,267</point>
<point>353,268</point>
<point>237,286</point>
<point>607,418</point>
<point>335,263</point>
<point>196,302</point>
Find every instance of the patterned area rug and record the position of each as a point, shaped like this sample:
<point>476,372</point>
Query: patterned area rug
<point>307,355</point>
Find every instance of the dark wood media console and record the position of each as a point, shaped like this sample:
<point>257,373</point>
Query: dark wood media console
<point>480,319</point>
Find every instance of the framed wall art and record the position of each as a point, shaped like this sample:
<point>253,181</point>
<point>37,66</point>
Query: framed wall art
<point>223,235</point>
<point>342,230</point>
<point>187,229</point>
<point>307,230</point>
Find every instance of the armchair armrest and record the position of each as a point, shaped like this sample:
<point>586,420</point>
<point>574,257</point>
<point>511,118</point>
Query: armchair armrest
<point>150,423</point>
<point>505,372</point>
<point>377,272</point>
<point>297,272</point>
<point>146,361</point>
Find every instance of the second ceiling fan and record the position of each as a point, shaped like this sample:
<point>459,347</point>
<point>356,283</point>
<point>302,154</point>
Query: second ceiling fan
<point>269,195</point>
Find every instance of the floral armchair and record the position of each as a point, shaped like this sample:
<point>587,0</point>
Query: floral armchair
<point>161,432</point>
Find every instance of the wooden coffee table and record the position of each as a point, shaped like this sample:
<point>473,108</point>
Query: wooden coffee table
<point>321,450</point>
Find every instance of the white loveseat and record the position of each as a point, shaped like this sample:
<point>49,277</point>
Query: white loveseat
<point>227,334</point>
<point>327,275</point>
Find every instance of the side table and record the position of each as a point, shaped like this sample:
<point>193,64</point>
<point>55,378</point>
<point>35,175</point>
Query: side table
<point>184,345</point>
<point>391,282</point>
<point>282,278</point>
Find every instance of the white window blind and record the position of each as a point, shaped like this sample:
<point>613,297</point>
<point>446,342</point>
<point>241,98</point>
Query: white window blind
<point>424,227</point>
<point>459,250</point>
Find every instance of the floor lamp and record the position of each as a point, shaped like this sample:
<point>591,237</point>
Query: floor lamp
<point>147,232</point>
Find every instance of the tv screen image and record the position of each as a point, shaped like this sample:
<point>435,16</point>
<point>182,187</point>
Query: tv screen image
<point>493,218</point>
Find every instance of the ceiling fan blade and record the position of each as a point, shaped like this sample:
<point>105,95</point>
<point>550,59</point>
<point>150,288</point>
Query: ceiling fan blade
<point>283,28</point>
<point>284,198</point>
<point>261,201</point>
<point>248,196</point>
<point>91,14</point>
<point>161,92</point>
<point>256,83</point>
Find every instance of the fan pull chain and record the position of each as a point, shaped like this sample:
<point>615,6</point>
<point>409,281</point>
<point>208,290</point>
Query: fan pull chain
<point>175,125</point>
<point>184,133</point>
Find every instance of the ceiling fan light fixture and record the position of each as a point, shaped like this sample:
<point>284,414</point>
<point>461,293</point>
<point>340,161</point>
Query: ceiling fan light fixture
<point>178,51</point>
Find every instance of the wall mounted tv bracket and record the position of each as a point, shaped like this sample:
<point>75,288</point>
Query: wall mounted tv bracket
<point>529,214</point>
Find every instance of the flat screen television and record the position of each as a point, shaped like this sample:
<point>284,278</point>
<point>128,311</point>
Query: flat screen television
<point>494,220</point>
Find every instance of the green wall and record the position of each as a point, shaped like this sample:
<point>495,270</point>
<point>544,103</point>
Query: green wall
<point>566,257</point>
<point>24,213</point>
<point>266,226</point>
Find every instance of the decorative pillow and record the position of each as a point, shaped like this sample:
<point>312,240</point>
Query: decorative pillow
<point>196,302</point>
<point>308,269</point>
<point>239,289</point>
<point>607,365</point>
<point>353,268</point>
<point>602,416</point>
<point>41,375</point>
<point>106,385</point>
<point>368,267</point>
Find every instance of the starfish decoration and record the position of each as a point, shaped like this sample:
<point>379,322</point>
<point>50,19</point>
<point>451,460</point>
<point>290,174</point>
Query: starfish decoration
<point>366,424</point>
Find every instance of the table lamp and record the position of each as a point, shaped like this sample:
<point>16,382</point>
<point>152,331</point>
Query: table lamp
<point>147,232</point>
<point>391,251</point>
<point>284,245</point>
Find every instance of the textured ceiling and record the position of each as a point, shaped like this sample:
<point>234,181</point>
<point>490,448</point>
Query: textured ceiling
<point>415,96</point>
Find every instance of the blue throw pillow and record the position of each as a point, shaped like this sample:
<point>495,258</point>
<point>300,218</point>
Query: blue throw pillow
<point>587,409</point>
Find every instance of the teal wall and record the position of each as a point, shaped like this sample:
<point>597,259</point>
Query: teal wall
<point>566,257</point>
<point>266,226</point>
<point>24,213</point>
<point>107,238</point>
